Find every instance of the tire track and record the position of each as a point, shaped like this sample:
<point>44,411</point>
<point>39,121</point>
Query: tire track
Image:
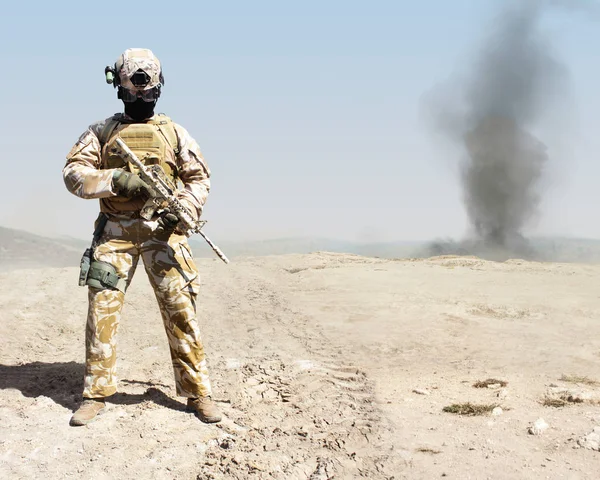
<point>296,408</point>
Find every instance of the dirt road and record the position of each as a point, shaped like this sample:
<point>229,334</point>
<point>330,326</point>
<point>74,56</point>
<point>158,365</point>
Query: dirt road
<point>325,365</point>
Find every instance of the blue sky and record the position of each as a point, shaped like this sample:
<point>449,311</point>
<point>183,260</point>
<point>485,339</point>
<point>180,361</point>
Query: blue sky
<point>309,113</point>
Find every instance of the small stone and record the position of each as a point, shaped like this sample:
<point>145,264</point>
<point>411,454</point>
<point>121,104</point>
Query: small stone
<point>591,441</point>
<point>421,391</point>
<point>270,446</point>
<point>502,393</point>
<point>226,444</point>
<point>539,427</point>
<point>493,386</point>
<point>256,466</point>
<point>497,411</point>
<point>580,396</point>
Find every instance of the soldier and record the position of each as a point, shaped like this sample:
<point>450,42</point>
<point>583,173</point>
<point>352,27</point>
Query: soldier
<point>94,169</point>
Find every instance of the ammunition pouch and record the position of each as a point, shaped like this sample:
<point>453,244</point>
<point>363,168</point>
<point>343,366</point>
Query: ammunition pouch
<point>103,275</point>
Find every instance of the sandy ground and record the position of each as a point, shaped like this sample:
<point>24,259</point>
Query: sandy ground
<point>315,360</point>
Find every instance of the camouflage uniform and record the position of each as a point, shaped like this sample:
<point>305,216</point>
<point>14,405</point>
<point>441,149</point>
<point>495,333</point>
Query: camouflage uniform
<point>167,259</point>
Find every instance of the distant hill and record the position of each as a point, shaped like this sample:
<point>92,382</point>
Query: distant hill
<point>20,249</point>
<point>543,249</point>
<point>286,246</point>
<point>559,249</point>
<point>549,249</point>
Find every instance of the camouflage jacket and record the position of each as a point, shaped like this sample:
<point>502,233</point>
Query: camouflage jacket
<point>84,176</point>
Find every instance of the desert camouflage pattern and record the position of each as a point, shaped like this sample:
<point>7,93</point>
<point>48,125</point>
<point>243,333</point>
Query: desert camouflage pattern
<point>168,262</point>
<point>85,174</point>
<point>133,59</point>
<point>170,267</point>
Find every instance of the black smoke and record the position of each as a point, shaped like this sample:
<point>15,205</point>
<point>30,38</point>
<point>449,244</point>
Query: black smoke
<point>510,89</point>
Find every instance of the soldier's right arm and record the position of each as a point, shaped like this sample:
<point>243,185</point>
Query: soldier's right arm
<point>82,173</point>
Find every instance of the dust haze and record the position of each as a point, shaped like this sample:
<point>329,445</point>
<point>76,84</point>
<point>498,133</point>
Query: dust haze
<point>510,89</point>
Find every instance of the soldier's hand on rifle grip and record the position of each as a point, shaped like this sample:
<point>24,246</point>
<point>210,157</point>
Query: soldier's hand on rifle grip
<point>128,184</point>
<point>167,222</point>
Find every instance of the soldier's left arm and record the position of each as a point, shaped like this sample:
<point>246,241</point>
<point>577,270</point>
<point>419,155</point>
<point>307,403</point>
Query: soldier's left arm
<point>193,172</point>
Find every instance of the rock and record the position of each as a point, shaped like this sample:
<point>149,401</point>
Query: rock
<point>580,396</point>
<point>539,427</point>
<point>573,395</point>
<point>421,391</point>
<point>497,411</point>
<point>591,441</point>
<point>502,393</point>
<point>227,444</point>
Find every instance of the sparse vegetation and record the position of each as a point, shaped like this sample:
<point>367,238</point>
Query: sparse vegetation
<point>489,382</point>
<point>556,402</point>
<point>470,409</point>
<point>561,400</point>
<point>579,379</point>
<point>431,451</point>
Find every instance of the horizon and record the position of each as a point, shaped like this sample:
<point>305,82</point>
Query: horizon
<point>197,240</point>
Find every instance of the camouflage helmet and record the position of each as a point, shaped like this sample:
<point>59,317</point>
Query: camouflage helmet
<point>137,71</point>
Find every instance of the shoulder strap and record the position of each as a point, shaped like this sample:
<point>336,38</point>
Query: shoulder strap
<point>109,128</point>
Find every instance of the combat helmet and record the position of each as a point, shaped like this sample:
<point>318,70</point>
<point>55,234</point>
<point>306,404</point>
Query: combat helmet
<point>137,74</point>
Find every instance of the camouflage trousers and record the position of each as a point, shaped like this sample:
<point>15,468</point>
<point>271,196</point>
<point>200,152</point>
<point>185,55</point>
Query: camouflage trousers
<point>170,267</point>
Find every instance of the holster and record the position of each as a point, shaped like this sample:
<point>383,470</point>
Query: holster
<point>84,266</point>
<point>95,273</point>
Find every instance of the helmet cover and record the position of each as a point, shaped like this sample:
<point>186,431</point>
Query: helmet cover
<point>134,60</point>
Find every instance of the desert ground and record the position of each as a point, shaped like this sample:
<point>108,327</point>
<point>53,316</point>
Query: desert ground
<point>326,366</point>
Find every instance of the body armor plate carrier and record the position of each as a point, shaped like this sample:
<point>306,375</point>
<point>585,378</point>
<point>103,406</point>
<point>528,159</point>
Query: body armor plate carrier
<point>154,142</point>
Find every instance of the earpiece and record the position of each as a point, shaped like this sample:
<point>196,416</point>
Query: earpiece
<point>111,76</point>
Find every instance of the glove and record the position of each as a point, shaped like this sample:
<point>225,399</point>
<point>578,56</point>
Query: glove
<point>128,184</point>
<point>167,222</point>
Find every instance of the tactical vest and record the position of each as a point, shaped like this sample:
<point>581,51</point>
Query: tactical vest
<point>154,143</point>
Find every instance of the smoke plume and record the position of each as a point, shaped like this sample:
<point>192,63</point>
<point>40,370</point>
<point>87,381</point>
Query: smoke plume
<point>509,90</point>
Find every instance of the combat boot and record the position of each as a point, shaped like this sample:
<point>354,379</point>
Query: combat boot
<point>87,411</point>
<point>205,408</point>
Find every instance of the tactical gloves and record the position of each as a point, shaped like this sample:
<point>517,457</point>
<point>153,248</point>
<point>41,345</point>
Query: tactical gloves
<point>167,222</point>
<point>128,184</point>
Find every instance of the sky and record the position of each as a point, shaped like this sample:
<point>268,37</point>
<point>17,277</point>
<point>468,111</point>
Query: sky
<point>309,114</point>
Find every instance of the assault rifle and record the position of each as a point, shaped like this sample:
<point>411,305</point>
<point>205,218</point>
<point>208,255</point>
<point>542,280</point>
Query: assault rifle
<point>162,195</point>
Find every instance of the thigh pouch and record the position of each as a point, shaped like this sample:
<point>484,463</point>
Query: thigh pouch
<point>103,275</point>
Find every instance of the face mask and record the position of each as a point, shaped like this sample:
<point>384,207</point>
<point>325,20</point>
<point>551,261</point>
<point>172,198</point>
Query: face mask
<point>139,110</point>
